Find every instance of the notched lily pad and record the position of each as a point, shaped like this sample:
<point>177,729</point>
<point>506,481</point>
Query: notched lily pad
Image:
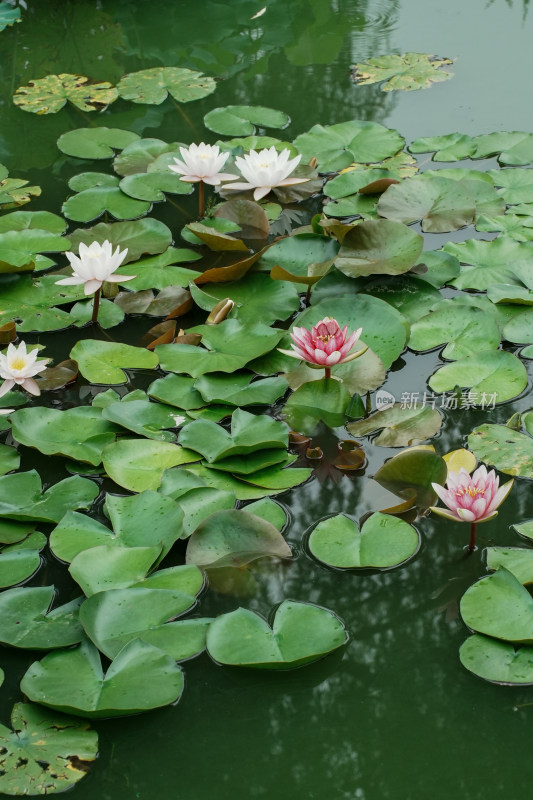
<point>504,448</point>
<point>409,71</point>
<point>497,662</point>
<point>153,85</point>
<point>402,426</point>
<point>50,94</point>
<point>28,621</point>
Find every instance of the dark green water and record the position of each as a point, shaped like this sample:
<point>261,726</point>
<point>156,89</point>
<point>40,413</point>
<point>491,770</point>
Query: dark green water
<point>395,715</point>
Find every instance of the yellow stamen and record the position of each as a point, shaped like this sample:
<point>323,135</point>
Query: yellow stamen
<point>470,490</point>
<point>17,363</point>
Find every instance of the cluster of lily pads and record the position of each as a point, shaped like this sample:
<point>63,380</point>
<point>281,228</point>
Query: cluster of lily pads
<point>218,428</point>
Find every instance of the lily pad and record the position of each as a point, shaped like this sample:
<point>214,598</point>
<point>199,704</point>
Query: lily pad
<point>300,633</point>
<point>499,606</point>
<point>15,192</point>
<point>490,375</point>
<point>241,120</point>
<point>99,193</point>
<point>140,237</point>
<point>40,220</point>
<point>9,459</point>
<point>152,186</point>
<point>17,565</point>
<point>200,503</point>
<point>238,390</point>
<point>32,303</point>
<point>44,754</point>
<point>518,560</point>
<point>326,399</point>
<point>96,143</point>
<point>107,567</point>
<point>407,72</point>
<point>147,419</point>
<point>497,662</point>
<point>140,678</point>
<point>381,247</point>
<point>49,95</point>
<point>234,538</point>
<point>102,362</point>
<point>138,464</point>
<point>465,330</point>
<point>336,146</point>
<point>153,85</point>
<point>21,497</point>
<point>402,426</point>
<point>409,475</point>
<point>255,296</point>
<point>514,148</point>
<point>19,248</point>
<point>79,433</point>
<point>452,147</point>
<point>159,272</point>
<point>383,542</point>
<point>177,390</point>
<point>442,205</point>
<point>501,260</point>
<point>504,448</point>
<point>302,258</point>
<point>8,16</point>
<point>27,621</point>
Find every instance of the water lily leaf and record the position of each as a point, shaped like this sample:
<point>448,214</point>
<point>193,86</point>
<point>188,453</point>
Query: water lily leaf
<point>384,328</point>
<point>408,72</point>
<point>303,258</point>
<point>248,434</point>
<point>10,459</point>
<point>216,240</point>
<point>145,418</point>
<point>140,678</point>
<point>382,542</point>
<point>360,376</point>
<point>499,606</point>
<point>519,329</point>
<point>411,296</point>
<point>355,205</point>
<point>465,329</point>
<point>151,186</point>
<point>442,205</point>
<point>14,192</point>
<point>109,314</point>
<point>229,265</point>
<point>21,497</point>
<point>43,754</point>
<point>517,560</point>
<point>31,302</point>
<point>460,458</point>
<point>14,532</point>
<point>504,448</point>
<point>512,147</point>
<point>173,300</point>
<point>501,260</point>
<point>132,519</point>
<point>326,399</point>
<point>115,617</point>
<point>378,247</point>
<point>412,472</point>
<point>250,217</point>
<point>336,146</point>
<point>270,511</point>
<point>497,662</point>
<point>158,272</point>
<point>19,248</point>
<point>352,181</point>
<point>40,220</point>
<point>525,529</point>
<point>516,227</point>
<point>8,15</point>
<point>452,147</point>
<point>79,433</point>
<point>177,390</point>
<point>101,362</point>
<point>231,345</point>
<point>243,144</point>
<point>96,143</point>
<point>106,567</point>
<point>234,538</point>
<point>237,390</point>
<point>256,296</point>
<point>517,185</point>
<point>138,464</point>
<point>27,621</point>
<point>99,193</point>
<point>17,565</point>
<point>490,373</point>
<point>300,633</point>
<point>141,237</point>
<point>145,155</point>
<point>49,95</point>
<point>241,120</point>
<point>153,86</point>
<point>402,426</point>
<point>200,503</point>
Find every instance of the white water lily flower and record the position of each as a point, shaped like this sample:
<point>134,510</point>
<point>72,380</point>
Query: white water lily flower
<point>202,162</point>
<point>95,264</point>
<point>17,368</point>
<point>266,169</point>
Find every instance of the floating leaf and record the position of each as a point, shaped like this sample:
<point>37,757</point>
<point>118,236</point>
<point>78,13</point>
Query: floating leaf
<point>27,621</point>
<point>326,399</point>
<point>138,464</point>
<point>107,567</point>
<point>303,258</point>
<point>139,237</point>
<point>151,186</point>
<point>411,296</point>
<point>492,376</point>
<point>409,475</point>
<point>21,497</point>
<point>50,94</point>
<point>14,192</point>
<point>499,606</point>
<point>464,329</point>
<point>140,678</point>
<point>452,147</point>
<point>43,754</point>
<point>99,193</point>
<point>378,247</point>
<point>101,362</point>
<point>408,72</point>
<point>237,390</point>
<point>199,503</point>
<point>442,205</point>
<point>337,146</point>
<point>486,263</point>
<point>241,120</point>
<point>95,143</point>
<point>32,302</point>
<point>382,542</point>
<point>517,560</point>
<point>177,390</point>
<point>512,147</point>
<point>498,662</point>
<point>153,86</point>
<point>20,561</point>
<point>19,249</point>
<point>504,448</point>
<point>402,426</point>
<point>300,633</point>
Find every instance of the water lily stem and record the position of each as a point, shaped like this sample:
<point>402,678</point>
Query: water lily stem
<point>327,372</point>
<point>308,295</point>
<point>201,199</point>
<point>96,305</point>
<point>472,542</point>
<point>368,405</point>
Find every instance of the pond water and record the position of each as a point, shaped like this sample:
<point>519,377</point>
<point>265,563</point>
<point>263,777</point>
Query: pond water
<point>393,715</point>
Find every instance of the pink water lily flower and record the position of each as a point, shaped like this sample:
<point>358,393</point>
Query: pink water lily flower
<point>325,345</point>
<point>18,367</point>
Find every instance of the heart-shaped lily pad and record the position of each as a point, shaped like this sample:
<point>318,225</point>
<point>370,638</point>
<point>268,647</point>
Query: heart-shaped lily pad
<point>107,567</point>
<point>138,464</point>
<point>300,633</point>
<point>337,146</point>
<point>140,678</point>
<point>145,418</point>
<point>378,247</point>
<point>154,85</point>
<point>402,426</point>
<point>497,662</point>
<point>140,237</point>
<point>44,753</point>
<point>20,561</point>
<point>466,329</point>
<point>99,193</point>
<point>21,497</point>
<point>199,503</point>
<point>27,621</point>
<point>518,560</point>
<point>95,142</point>
<point>408,71</point>
<point>48,95</point>
<point>241,120</point>
<point>383,542</point>
<point>234,538</point>
<point>504,448</point>
<point>409,475</point>
<point>103,362</point>
<point>491,375</point>
<point>441,204</point>
<point>499,606</point>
